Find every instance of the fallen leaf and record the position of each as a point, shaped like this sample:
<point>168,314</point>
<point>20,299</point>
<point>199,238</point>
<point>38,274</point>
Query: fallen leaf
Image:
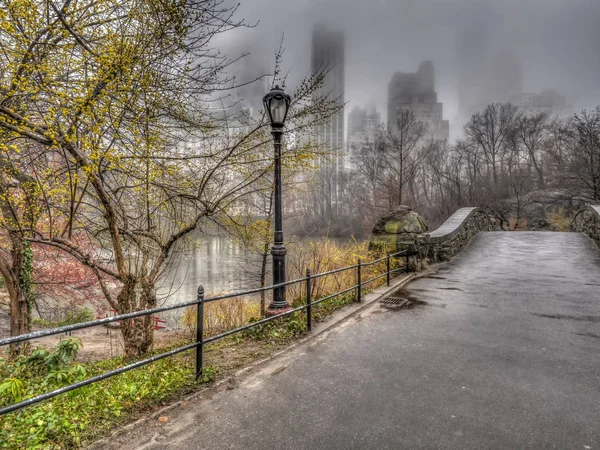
<point>278,370</point>
<point>163,419</point>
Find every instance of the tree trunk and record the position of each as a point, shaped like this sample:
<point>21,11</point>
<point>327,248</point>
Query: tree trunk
<point>265,255</point>
<point>400,179</point>
<point>138,333</point>
<point>19,282</point>
<point>19,320</point>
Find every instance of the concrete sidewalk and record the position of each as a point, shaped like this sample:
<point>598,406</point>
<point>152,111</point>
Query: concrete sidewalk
<point>504,354</point>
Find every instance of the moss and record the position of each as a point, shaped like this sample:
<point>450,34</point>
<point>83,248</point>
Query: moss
<point>384,242</point>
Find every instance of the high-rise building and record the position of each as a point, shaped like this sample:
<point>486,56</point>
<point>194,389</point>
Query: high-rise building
<point>548,101</point>
<point>487,74</point>
<point>416,92</point>
<point>363,126</point>
<point>328,58</point>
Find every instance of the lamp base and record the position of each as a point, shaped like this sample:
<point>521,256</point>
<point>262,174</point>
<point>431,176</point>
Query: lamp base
<point>275,311</point>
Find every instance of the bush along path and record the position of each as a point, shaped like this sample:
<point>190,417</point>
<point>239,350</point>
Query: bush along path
<point>79,417</point>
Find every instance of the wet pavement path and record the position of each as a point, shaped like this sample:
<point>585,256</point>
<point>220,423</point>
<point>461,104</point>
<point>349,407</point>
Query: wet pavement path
<point>505,354</point>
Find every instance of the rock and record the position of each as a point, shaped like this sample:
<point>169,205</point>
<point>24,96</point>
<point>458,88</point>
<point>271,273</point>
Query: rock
<point>545,210</point>
<point>232,383</point>
<point>397,230</point>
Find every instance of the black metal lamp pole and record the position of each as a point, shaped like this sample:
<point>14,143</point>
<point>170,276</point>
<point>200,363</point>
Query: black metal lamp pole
<point>276,104</point>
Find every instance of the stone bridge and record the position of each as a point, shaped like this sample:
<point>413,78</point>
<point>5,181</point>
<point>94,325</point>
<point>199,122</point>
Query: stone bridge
<point>502,352</point>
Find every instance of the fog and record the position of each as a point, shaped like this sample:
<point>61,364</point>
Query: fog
<point>556,42</point>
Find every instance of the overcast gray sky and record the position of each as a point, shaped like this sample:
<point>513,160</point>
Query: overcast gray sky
<point>556,41</point>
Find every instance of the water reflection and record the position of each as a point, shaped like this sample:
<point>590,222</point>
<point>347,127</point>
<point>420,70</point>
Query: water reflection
<point>220,265</point>
<point>217,263</point>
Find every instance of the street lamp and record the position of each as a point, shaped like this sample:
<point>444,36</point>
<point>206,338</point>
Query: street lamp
<point>277,103</point>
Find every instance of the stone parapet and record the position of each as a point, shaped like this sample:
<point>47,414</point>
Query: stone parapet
<point>454,234</point>
<point>587,220</point>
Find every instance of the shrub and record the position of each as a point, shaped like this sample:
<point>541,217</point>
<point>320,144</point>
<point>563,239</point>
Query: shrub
<point>559,220</point>
<point>79,315</point>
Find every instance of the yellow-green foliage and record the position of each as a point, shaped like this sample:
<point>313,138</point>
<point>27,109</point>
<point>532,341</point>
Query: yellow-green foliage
<point>385,242</point>
<point>559,220</point>
<point>70,420</point>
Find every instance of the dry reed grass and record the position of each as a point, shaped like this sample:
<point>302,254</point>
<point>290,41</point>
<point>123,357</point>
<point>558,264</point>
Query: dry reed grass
<point>560,220</point>
<point>322,255</point>
<point>222,315</point>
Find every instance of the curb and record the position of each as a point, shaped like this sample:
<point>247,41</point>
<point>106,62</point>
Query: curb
<point>337,318</point>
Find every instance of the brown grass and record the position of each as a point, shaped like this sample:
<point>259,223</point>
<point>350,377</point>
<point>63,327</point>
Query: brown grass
<point>559,220</point>
<point>322,255</point>
<point>222,315</point>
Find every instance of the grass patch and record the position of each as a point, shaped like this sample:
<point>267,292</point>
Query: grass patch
<point>69,420</point>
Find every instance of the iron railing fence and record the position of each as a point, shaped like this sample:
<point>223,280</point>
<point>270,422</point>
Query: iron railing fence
<point>200,340</point>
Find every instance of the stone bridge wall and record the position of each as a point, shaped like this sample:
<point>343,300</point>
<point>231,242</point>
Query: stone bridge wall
<point>449,239</point>
<point>587,220</point>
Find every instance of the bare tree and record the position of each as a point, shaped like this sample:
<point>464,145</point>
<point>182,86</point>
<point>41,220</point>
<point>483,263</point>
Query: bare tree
<point>490,130</point>
<point>402,153</point>
<point>116,121</point>
<point>371,167</point>
<point>534,132</point>
<point>583,140</point>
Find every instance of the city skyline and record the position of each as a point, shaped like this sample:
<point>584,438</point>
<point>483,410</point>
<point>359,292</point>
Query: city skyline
<point>556,44</point>
<point>478,85</point>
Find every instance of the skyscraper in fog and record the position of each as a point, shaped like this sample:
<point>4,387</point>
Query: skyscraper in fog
<point>416,92</point>
<point>363,127</point>
<point>328,57</point>
<point>488,74</point>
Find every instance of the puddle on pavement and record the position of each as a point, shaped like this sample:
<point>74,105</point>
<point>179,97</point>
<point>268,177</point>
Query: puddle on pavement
<point>479,305</point>
<point>592,335</point>
<point>400,300</point>
<point>593,319</point>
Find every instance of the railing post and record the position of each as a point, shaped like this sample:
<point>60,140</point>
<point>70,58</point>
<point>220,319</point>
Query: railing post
<point>359,283</point>
<point>199,332</point>
<point>387,262</point>
<point>308,302</point>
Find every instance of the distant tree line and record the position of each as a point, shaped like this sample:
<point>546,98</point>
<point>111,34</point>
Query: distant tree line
<point>506,156</point>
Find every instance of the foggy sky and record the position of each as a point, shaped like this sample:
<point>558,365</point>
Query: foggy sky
<point>556,41</point>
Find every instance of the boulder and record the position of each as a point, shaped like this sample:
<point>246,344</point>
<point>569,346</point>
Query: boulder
<point>545,210</point>
<point>397,230</point>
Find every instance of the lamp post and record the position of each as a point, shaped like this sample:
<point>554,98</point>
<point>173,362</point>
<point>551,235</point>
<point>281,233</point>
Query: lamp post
<point>277,103</point>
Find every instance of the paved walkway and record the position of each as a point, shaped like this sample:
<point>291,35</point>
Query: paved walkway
<point>504,355</point>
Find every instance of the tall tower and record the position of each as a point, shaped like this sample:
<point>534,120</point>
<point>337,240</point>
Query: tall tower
<point>328,58</point>
<point>416,92</point>
<point>472,54</point>
<point>488,74</point>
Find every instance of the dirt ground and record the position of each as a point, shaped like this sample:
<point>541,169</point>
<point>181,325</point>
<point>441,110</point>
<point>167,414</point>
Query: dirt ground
<point>98,342</point>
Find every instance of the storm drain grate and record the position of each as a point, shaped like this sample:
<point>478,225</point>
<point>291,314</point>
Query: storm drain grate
<point>395,301</point>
